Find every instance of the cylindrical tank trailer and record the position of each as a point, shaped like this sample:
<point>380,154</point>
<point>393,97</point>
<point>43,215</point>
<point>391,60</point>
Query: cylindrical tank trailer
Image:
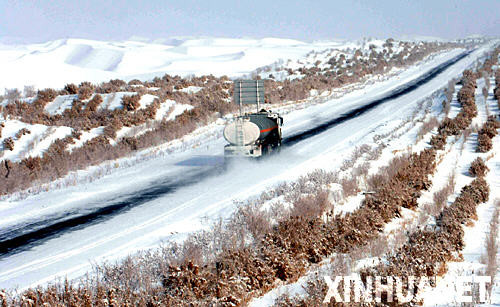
<point>253,134</point>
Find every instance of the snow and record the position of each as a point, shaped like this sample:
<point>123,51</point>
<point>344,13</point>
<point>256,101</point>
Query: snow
<point>114,100</point>
<point>86,136</point>
<point>146,100</point>
<point>178,212</point>
<point>475,235</point>
<point>56,63</point>
<point>33,144</point>
<point>59,104</point>
<point>181,211</point>
<point>164,109</point>
<point>179,108</point>
<point>454,159</point>
<point>191,89</point>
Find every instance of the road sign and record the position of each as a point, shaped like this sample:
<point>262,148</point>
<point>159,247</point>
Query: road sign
<point>248,91</point>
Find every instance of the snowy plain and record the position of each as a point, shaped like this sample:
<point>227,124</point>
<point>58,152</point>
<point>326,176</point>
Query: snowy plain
<point>194,192</point>
<point>56,63</point>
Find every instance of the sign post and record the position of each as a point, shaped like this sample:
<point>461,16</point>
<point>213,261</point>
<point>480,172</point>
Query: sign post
<point>248,92</point>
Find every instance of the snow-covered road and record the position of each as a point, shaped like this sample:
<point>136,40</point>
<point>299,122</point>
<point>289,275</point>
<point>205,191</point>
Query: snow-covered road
<point>168,197</point>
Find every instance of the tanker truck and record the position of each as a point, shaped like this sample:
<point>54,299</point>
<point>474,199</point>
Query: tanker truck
<point>252,134</point>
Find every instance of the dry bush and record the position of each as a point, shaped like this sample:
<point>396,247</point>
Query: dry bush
<point>376,181</point>
<point>427,251</point>
<point>484,143</point>
<point>45,96</point>
<point>93,104</point>
<point>361,170</point>
<point>311,206</point>
<point>427,127</point>
<point>440,197</point>
<point>349,186</point>
<point>478,168</point>
<point>111,129</point>
<point>135,82</point>
<point>22,132</point>
<point>112,86</point>
<point>12,94</point>
<point>491,246</point>
<point>29,91</point>
<point>360,150</point>
<point>446,107</point>
<point>375,152</point>
<point>322,178</point>
<point>131,103</point>
<point>71,89</point>
<point>486,133</point>
<point>85,92</point>
<point>8,144</point>
<point>255,220</point>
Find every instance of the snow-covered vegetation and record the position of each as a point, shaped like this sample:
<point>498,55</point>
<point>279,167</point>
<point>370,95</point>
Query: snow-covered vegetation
<point>401,204</point>
<point>141,114</point>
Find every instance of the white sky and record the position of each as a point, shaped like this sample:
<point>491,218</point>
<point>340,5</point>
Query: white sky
<point>36,21</point>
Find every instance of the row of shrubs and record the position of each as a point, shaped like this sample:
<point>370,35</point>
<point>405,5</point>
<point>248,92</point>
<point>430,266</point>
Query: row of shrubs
<point>466,97</point>
<point>426,252</point>
<point>489,129</point>
<point>496,91</point>
<point>487,133</point>
<point>344,71</point>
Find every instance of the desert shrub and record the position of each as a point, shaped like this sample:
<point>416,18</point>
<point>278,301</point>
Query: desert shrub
<point>22,132</point>
<point>93,104</point>
<point>135,82</point>
<point>478,168</point>
<point>486,133</point>
<point>85,92</point>
<point>349,186</point>
<point>440,197</point>
<point>310,207</point>
<point>112,86</point>
<point>71,89</point>
<point>12,94</point>
<point>438,141</point>
<point>491,247</point>
<point>427,127</point>
<point>426,251</point>
<point>446,107</point>
<point>46,95</point>
<point>484,143</point>
<point>34,164</point>
<point>131,103</point>
<point>29,91</point>
<point>8,144</point>
<point>111,129</point>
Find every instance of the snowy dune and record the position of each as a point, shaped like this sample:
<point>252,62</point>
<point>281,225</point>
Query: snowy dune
<point>56,63</point>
